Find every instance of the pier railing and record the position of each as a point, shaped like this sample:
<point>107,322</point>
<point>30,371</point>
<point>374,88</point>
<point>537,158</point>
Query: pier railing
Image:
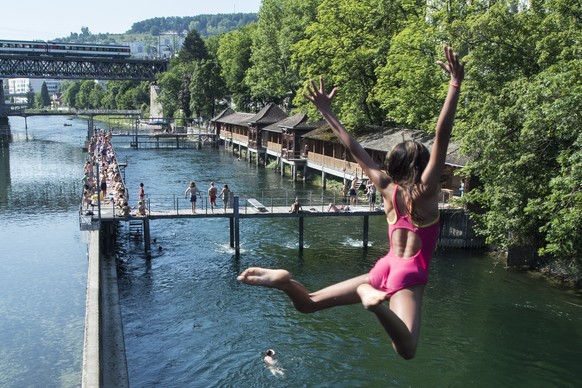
<point>250,203</point>
<point>178,203</point>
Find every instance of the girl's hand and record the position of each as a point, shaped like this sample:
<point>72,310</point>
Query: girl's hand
<point>453,66</point>
<point>318,97</point>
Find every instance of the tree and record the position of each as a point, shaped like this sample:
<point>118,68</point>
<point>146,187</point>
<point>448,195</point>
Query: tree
<point>96,97</point>
<point>233,55</point>
<point>45,98</point>
<point>193,48</point>
<point>410,88</point>
<point>272,76</point>
<point>170,84</point>
<point>83,97</point>
<point>70,94</point>
<point>206,88</point>
<point>30,97</point>
<point>522,129</point>
<point>346,44</point>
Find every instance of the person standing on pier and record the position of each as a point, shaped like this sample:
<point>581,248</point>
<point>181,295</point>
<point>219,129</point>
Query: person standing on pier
<point>410,189</point>
<point>212,192</point>
<point>225,194</point>
<point>103,185</point>
<point>193,190</point>
<point>141,193</point>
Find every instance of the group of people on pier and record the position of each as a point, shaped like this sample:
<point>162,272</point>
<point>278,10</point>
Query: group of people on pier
<point>193,192</point>
<point>102,180</point>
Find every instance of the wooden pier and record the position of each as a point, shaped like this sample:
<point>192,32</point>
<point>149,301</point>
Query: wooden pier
<point>456,230</point>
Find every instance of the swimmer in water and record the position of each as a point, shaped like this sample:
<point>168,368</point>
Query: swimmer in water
<point>271,363</point>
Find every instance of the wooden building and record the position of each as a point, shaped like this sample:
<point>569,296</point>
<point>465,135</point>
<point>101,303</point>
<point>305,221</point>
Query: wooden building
<point>284,142</point>
<point>257,142</point>
<point>313,147</point>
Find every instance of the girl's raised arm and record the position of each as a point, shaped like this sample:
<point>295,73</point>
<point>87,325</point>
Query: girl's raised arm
<point>322,102</point>
<point>433,171</point>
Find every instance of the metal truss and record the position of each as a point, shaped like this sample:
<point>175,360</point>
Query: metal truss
<point>12,66</point>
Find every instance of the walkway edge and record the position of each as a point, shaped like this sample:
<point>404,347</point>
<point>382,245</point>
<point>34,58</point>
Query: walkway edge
<point>91,364</point>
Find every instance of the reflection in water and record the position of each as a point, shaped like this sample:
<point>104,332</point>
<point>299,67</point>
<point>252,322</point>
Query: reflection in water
<point>42,256</point>
<point>4,172</point>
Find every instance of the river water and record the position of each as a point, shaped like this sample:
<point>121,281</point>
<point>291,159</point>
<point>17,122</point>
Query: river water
<point>188,323</point>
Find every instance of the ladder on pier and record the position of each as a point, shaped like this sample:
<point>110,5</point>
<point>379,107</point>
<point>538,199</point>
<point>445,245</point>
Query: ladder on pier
<point>136,228</point>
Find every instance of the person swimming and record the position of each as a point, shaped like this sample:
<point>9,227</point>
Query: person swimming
<point>272,364</point>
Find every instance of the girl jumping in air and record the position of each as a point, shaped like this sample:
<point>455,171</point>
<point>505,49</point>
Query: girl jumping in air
<point>410,190</point>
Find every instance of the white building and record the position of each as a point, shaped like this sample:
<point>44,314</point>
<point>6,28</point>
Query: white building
<point>21,86</point>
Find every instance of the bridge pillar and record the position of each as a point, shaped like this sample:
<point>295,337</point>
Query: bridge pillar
<point>301,239</point>
<point>236,218</point>
<point>366,230</point>
<point>3,109</point>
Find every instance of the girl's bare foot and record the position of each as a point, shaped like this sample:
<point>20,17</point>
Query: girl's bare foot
<point>274,278</point>
<point>371,297</point>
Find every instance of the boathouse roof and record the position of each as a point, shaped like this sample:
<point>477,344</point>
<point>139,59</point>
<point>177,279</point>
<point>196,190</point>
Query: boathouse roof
<point>383,140</point>
<point>236,118</point>
<point>270,114</point>
<point>299,122</point>
<point>225,112</point>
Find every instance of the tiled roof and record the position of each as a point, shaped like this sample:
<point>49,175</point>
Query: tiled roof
<point>385,140</point>
<point>236,118</point>
<point>225,112</point>
<point>297,122</point>
<point>270,114</point>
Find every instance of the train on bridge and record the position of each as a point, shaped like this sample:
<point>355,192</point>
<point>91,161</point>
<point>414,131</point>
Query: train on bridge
<point>20,47</point>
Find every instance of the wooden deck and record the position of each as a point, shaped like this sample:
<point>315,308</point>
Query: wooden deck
<point>109,213</point>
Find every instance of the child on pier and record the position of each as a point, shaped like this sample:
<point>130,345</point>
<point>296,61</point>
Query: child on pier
<point>194,192</point>
<point>410,190</point>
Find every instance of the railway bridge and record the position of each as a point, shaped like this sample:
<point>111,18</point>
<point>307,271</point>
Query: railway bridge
<point>73,65</point>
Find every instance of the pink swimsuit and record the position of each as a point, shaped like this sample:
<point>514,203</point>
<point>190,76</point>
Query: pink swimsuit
<point>392,273</point>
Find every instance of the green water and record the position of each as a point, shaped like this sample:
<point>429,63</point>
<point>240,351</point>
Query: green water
<point>189,323</point>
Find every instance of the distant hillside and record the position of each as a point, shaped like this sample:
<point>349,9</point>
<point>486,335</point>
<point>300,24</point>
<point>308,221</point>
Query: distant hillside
<point>206,25</point>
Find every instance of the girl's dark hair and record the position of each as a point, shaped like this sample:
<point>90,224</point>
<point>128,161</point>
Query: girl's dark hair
<point>406,163</point>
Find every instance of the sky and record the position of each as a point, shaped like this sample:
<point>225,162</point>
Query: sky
<point>46,20</point>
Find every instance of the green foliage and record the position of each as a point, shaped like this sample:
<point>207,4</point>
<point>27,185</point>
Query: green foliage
<point>193,48</point>
<point>69,96</point>
<point>45,98</point>
<point>233,54</point>
<point>171,83</point>
<point>272,76</point>
<point>206,25</point>
<point>524,132</point>
<point>346,44</point>
<point>206,88</point>
<point>410,87</point>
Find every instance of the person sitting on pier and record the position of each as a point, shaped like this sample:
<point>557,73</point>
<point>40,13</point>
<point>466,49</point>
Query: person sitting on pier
<point>295,206</point>
<point>332,208</point>
<point>125,210</point>
<point>410,189</point>
<point>141,208</point>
